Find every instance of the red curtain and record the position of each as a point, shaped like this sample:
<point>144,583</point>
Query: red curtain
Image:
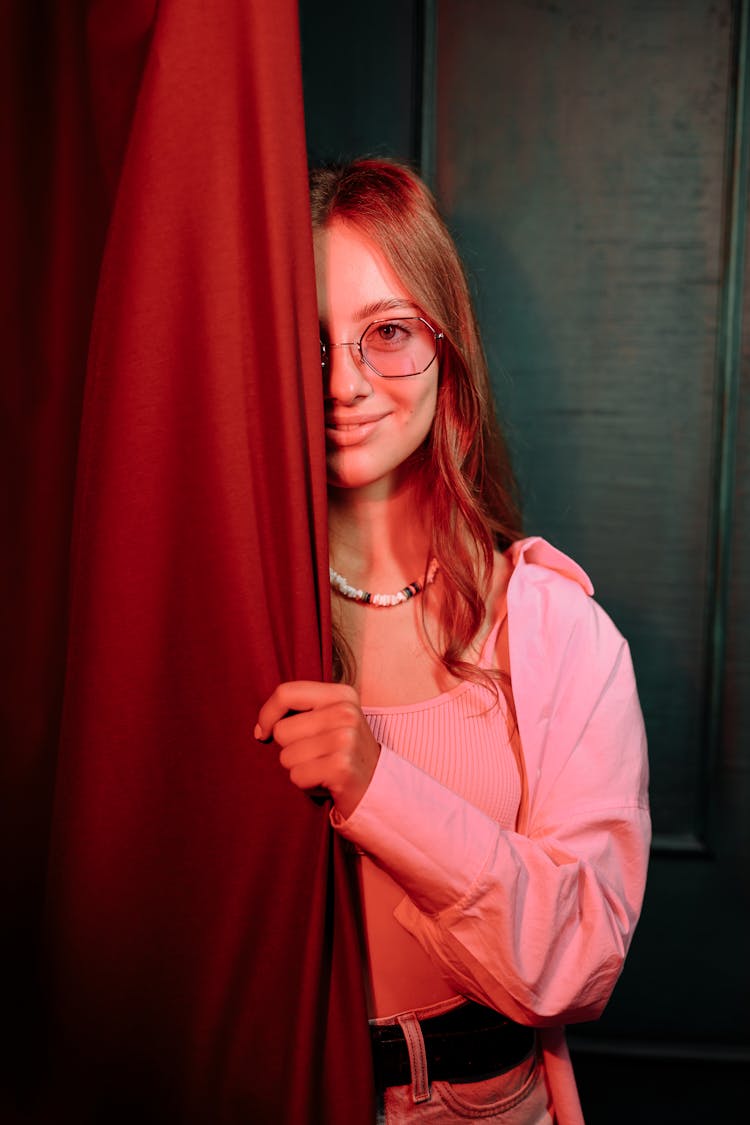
<point>179,942</point>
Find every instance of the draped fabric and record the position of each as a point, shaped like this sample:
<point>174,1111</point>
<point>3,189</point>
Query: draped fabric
<point>179,942</point>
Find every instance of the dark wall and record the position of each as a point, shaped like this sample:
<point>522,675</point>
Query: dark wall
<point>363,76</point>
<point>592,161</point>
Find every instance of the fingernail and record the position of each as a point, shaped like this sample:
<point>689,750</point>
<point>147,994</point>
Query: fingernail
<point>258,733</point>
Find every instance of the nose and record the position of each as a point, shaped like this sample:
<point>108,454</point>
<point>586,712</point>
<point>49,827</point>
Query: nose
<point>345,374</point>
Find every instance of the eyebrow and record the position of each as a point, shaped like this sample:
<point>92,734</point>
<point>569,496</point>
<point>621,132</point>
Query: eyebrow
<point>386,304</point>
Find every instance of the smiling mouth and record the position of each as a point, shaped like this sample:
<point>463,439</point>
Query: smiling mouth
<point>341,432</point>
<point>352,423</point>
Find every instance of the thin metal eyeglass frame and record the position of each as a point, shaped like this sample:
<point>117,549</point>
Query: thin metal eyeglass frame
<point>437,336</point>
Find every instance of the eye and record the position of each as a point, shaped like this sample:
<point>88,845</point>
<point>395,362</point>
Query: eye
<point>388,334</point>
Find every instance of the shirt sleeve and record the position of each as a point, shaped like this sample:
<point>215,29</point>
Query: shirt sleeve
<point>535,923</point>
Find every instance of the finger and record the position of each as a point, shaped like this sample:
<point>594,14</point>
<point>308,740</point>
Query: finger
<point>336,769</point>
<point>257,733</point>
<point>310,775</point>
<point>337,756</point>
<point>279,704</point>
<point>323,721</point>
<point>317,793</point>
<point>297,695</point>
<point>305,776</point>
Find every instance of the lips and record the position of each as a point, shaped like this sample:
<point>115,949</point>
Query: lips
<point>351,431</point>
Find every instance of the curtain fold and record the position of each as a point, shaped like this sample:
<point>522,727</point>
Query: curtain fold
<point>182,925</point>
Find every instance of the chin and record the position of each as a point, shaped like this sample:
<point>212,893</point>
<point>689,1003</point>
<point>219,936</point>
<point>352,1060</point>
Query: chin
<point>382,484</point>
<point>348,469</point>
<point>347,482</point>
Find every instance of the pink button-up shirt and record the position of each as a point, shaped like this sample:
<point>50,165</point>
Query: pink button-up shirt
<point>534,920</point>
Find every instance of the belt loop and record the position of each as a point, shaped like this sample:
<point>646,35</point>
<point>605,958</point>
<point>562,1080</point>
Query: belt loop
<point>420,1079</point>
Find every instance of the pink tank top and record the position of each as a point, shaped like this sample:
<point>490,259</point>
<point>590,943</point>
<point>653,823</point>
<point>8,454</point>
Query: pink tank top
<point>462,738</point>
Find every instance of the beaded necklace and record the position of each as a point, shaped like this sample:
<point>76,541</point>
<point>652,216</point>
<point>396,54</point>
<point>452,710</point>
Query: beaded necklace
<point>339,583</point>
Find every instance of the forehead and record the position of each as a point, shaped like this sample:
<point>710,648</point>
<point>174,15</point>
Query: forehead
<point>353,275</point>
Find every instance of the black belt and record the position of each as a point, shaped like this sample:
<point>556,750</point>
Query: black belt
<point>467,1044</point>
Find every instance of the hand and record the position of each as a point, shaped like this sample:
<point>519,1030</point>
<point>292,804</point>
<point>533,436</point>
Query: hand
<point>326,743</point>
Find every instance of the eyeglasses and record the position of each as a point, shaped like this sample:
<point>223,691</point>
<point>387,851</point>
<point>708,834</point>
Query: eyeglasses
<point>393,349</point>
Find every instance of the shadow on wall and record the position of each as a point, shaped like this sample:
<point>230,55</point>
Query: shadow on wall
<point>660,1091</point>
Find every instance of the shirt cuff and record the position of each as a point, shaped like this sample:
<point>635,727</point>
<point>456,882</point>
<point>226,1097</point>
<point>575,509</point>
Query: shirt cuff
<point>432,842</point>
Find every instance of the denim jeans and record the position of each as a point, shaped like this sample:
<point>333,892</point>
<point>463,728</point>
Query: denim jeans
<point>516,1097</point>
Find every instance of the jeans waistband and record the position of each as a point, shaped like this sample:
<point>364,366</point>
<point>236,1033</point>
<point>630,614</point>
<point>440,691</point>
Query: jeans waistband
<point>467,1044</point>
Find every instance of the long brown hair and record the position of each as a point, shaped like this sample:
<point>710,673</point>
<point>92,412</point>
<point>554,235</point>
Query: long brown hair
<point>465,463</point>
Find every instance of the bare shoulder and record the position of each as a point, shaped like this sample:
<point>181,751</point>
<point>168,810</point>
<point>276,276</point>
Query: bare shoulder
<point>502,568</point>
<point>501,571</point>
<point>495,607</point>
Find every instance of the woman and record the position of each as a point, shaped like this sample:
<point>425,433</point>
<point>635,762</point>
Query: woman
<point>484,748</point>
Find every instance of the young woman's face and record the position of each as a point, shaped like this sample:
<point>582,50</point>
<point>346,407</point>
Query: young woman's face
<point>373,425</point>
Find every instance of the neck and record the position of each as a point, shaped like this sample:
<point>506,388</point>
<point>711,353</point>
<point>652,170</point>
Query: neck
<point>378,541</point>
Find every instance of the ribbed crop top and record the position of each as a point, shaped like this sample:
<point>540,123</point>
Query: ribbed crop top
<point>462,738</point>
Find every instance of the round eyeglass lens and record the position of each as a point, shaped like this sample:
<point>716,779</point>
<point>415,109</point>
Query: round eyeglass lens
<point>404,346</point>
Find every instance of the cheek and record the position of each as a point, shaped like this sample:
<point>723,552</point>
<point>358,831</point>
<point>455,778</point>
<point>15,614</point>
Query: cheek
<point>423,413</point>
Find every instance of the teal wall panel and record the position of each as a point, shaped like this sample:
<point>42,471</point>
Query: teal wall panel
<point>587,196</point>
<point>732,767</point>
